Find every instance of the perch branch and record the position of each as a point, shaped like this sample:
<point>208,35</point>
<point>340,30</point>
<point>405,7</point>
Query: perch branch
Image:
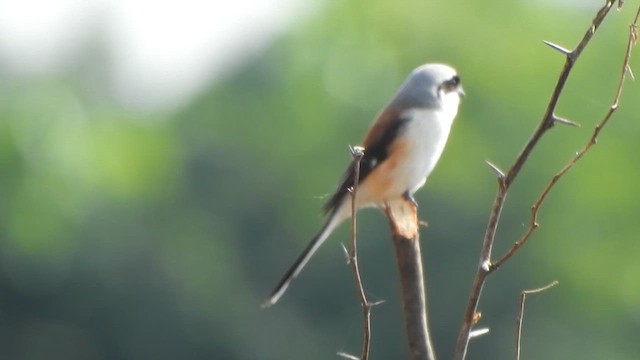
<point>403,221</point>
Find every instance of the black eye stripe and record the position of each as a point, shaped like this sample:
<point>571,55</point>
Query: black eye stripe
<point>451,84</point>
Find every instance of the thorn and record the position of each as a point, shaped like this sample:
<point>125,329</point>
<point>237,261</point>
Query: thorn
<point>486,266</point>
<point>633,77</point>
<point>346,254</point>
<point>478,332</point>
<point>495,169</point>
<point>559,120</point>
<point>347,356</point>
<point>557,48</point>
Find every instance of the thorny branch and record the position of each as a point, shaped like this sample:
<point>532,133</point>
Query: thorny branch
<point>521,300</point>
<point>357,153</point>
<point>535,209</point>
<point>549,119</point>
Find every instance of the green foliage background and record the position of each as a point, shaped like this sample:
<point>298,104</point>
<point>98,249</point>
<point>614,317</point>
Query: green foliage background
<point>145,236</point>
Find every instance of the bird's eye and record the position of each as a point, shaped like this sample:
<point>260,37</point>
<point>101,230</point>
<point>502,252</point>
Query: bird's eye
<point>451,84</point>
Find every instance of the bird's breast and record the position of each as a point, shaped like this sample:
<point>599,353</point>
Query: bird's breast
<point>412,156</point>
<point>423,140</point>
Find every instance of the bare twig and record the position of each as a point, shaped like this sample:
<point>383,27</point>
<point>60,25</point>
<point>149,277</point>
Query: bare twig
<point>357,153</point>
<point>523,295</point>
<point>406,241</point>
<point>535,209</point>
<point>549,119</point>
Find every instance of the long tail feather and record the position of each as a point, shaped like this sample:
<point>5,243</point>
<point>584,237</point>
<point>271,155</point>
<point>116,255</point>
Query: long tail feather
<point>334,220</point>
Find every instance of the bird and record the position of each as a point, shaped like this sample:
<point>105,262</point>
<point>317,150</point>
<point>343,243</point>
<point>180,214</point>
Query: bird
<point>401,148</point>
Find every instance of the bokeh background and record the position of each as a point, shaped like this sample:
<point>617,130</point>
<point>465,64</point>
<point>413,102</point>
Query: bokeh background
<point>163,163</point>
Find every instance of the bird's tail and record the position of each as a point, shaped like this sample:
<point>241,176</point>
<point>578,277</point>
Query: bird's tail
<point>336,217</point>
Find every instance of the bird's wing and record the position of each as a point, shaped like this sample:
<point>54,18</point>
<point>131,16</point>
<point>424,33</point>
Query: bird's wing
<point>379,139</point>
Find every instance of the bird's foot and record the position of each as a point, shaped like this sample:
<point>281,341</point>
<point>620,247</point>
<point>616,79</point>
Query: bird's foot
<point>407,196</point>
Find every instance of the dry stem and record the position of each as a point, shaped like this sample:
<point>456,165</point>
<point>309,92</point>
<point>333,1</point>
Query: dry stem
<point>521,300</point>
<point>535,209</point>
<point>403,221</point>
<point>357,153</point>
<point>549,119</point>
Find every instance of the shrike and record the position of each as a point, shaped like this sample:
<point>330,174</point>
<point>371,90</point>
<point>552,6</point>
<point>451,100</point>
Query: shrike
<point>401,148</point>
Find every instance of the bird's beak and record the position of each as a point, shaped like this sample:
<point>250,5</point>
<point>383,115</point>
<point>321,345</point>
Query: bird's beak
<point>460,91</point>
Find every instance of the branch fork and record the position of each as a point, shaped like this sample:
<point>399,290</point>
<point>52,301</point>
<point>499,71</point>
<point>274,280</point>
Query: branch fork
<point>485,267</point>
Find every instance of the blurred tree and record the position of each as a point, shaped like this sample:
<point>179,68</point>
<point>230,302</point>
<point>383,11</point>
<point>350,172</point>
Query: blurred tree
<point>129,236</point>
